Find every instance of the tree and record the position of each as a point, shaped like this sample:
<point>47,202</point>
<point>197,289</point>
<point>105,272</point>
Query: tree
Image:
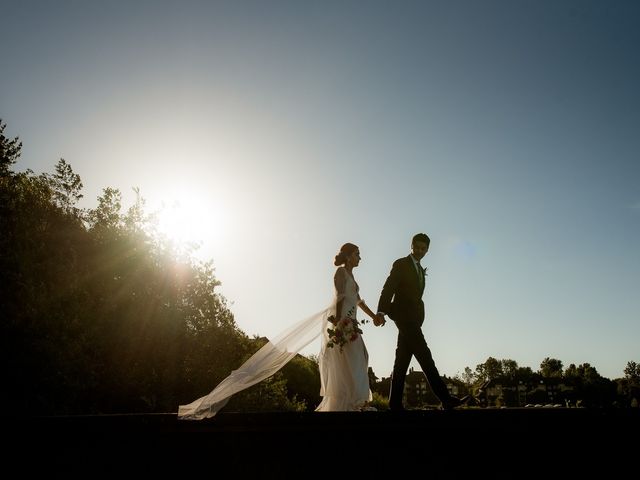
<point>509,368</point>
<point>303,381</point>
<point>551,367</point>
<point>40,259</point>
<point>101,316</point>
<point>629,386</point>
<point>136,220</point>
<point>489,370</point>
<point>468,377</point>
<point>269,395</point>
<point>10,150</point>
<point>632,373</point>
<point>106,215</point>
<point>589,387</point>
<point>524,375</point>
<point>66,187</point>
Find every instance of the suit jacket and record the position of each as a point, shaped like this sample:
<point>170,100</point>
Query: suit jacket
<point>401,297</point>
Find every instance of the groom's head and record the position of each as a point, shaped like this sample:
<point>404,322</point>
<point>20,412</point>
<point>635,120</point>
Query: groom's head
<point>420,245</point>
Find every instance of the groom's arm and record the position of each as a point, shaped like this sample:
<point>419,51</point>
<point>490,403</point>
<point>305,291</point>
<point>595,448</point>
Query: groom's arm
<point>389,289</point>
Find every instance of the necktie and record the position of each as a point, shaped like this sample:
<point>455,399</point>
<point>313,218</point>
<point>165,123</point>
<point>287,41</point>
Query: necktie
<point>420,275</point>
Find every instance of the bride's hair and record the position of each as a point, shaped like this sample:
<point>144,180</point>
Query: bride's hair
<point>345,250</point>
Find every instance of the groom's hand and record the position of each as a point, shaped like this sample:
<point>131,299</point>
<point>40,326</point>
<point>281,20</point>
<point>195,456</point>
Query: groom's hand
<point>379,320</point>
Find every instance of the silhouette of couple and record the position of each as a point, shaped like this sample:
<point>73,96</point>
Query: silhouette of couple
<point>343,359</point>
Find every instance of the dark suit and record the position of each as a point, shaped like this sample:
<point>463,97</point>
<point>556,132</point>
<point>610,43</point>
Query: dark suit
<point>401,300</point>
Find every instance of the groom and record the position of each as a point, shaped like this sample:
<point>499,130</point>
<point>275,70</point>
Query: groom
<point>401,300</point>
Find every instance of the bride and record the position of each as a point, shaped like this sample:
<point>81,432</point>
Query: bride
<point>344,371</point>
<point>343,364</point>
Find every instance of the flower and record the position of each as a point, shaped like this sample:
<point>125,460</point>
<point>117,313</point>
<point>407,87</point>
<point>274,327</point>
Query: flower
<point>344,331</point>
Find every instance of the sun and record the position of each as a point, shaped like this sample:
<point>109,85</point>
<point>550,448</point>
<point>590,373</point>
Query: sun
<point>188,219</point>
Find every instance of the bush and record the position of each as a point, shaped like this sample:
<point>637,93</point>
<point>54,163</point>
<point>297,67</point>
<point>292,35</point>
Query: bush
<point>380,402</point>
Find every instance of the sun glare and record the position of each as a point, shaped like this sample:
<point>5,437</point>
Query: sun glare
<point>190,220</point>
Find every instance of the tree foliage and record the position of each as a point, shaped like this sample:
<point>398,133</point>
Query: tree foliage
<point>551,367</point>
<point>100,315</point>
<point>491,369</point>
<point>10,149</point>
<point>632,372</point>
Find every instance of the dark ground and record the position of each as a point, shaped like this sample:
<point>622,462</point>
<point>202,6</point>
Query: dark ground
<point>468,443</point>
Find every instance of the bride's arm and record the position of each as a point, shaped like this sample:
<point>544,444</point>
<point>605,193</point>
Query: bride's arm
<point>365,308</point>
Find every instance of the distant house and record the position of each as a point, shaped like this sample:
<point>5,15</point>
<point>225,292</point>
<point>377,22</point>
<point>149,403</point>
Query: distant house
<point>506,392</point>
<point>417,392</point>
<point>519,394</point>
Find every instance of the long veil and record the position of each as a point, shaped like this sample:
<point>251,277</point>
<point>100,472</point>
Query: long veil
<point>262,364</point>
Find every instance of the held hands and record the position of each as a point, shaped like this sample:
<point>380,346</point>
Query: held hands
<point>379,320</point>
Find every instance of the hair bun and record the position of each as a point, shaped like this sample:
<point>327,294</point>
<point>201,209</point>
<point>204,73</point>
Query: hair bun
<point>345,250</point>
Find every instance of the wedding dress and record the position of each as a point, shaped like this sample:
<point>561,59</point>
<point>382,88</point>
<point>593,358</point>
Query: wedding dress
<point>343,375</point>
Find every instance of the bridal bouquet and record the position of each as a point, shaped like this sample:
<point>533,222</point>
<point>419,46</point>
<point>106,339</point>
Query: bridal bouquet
<point>343,331</point>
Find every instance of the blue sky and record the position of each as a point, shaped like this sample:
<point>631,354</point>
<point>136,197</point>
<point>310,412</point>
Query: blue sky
<point>506,130</point>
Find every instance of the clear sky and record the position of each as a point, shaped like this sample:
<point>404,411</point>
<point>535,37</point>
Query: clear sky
<point>508,131</point>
